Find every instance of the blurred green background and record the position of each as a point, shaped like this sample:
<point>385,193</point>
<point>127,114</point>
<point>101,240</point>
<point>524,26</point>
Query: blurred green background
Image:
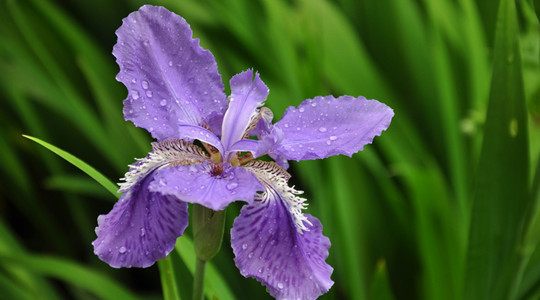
<point>443,205</point>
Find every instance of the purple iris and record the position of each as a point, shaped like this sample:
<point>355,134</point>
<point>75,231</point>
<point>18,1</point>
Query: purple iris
<point>176,93</point>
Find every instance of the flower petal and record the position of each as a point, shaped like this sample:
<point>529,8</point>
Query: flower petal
<point>170,78</point>
<point>247,94</point>
<point>269,248</point>
<point>326,126</point>
<point>141,228</point>
<point>201,134</point>
<point>212,185</point>
<point>172,151</point>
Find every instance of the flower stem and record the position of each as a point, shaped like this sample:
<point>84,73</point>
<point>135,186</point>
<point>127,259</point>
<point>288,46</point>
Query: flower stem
<point>208,226</point>
<point>198,280</point>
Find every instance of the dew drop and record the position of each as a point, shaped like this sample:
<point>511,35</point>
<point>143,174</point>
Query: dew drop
<point>134,80</point>
<point>286,125</point>
<point>170,63</point>
<point>122,250</point>
<point>333,138</point>
<point>280,285</point>
<point>149,94</point>
<point>322,129</point>
<point>328,142</point>
<point>202,187</point>
<point>135,94</point>
<point>144,84</point>
<point>231,186</point>
<point>250,255</point>
<point>260,270</point>
<point>163,102</point>
<point>244,246</point>
<point>301,109</point>
<point>313,104</point>
<point>143,231</point>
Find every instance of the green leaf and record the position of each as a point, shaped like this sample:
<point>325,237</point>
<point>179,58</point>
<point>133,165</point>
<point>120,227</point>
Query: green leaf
<point>70,272</point>
<point>86,168</point>
<point>168,281</point>
<point>502,198</point>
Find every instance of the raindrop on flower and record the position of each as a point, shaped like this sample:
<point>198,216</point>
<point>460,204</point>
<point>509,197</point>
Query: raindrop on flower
<point>231,186</point>
<point>163,102</point>
<point>244,246</point>
<point>301,109</point>
<point>122,250</point>
<point>143,231</point>
<point>144,84</point>
<point>333,138</point>
<point>149,94</point>
<point>323,129</point>
<point>135,94</point>
<point>280,285</point>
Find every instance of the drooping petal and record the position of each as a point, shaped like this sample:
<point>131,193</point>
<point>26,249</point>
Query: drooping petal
<point>141,228</point>
<point>247,94</point>
<point>201,134</point>
<point>326,126</point>
<point>171,151</point>
<point>212,185</point>
<point>170,78</point>
<point>269,248</point>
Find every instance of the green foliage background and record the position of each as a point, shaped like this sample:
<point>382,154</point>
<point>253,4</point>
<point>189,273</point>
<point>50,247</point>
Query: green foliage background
<point>443,205</point>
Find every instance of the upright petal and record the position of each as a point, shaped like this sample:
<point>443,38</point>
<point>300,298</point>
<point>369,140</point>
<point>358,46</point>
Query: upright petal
<point>141,228</point>
<point>212,185</point>
<point>326,126</point>
<point>268,246</point>
<point>170,78</point>
<point>247,94</point>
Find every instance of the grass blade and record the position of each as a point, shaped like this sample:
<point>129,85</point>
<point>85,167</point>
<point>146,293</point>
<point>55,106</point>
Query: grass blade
<point>501,198</point>
<point>86,168</point>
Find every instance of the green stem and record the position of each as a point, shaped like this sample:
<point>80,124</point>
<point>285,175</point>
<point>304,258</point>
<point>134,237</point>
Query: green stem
<point>168,282</point>
<point>198,280</point>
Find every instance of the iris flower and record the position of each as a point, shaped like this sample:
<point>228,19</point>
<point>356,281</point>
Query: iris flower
<point>176,93</point>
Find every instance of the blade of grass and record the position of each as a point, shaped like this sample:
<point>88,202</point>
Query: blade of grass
<point>70,272</point>
<point>86,168</point>
<point>501,199</point>
<point>168,283</point>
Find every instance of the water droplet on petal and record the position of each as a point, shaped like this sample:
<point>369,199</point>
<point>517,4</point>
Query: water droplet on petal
<point>333,138</point>
<point>143,231</point>
<point>170,63</point>
<point>202,187</point>
<point>286,125</point>
<point>328,142</point>
<point>280,285</point>
<point>323,129</point>
<point>313,104</point>
<point>231,186</point>
<point>244,246</point>
<point>135,94</point>
<point>122,250</point>
<point>134,80</point>
<point>250,255</point>
<point>149,94</point>
<point>260,270</point>
<point>301,109</point>
<point>144,84</point>
<point>163,102</point>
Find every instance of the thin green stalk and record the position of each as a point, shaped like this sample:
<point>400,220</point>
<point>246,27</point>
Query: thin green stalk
<point>198,280</point>
<point>168,283</point>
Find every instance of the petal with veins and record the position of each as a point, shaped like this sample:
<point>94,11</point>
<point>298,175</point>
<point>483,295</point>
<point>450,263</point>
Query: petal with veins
<point>327,126</point>
<point>169,77</point>
<point>209,184</point>
<point>269,247</point>
<point>172,151</point>
<point>141,228</point>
